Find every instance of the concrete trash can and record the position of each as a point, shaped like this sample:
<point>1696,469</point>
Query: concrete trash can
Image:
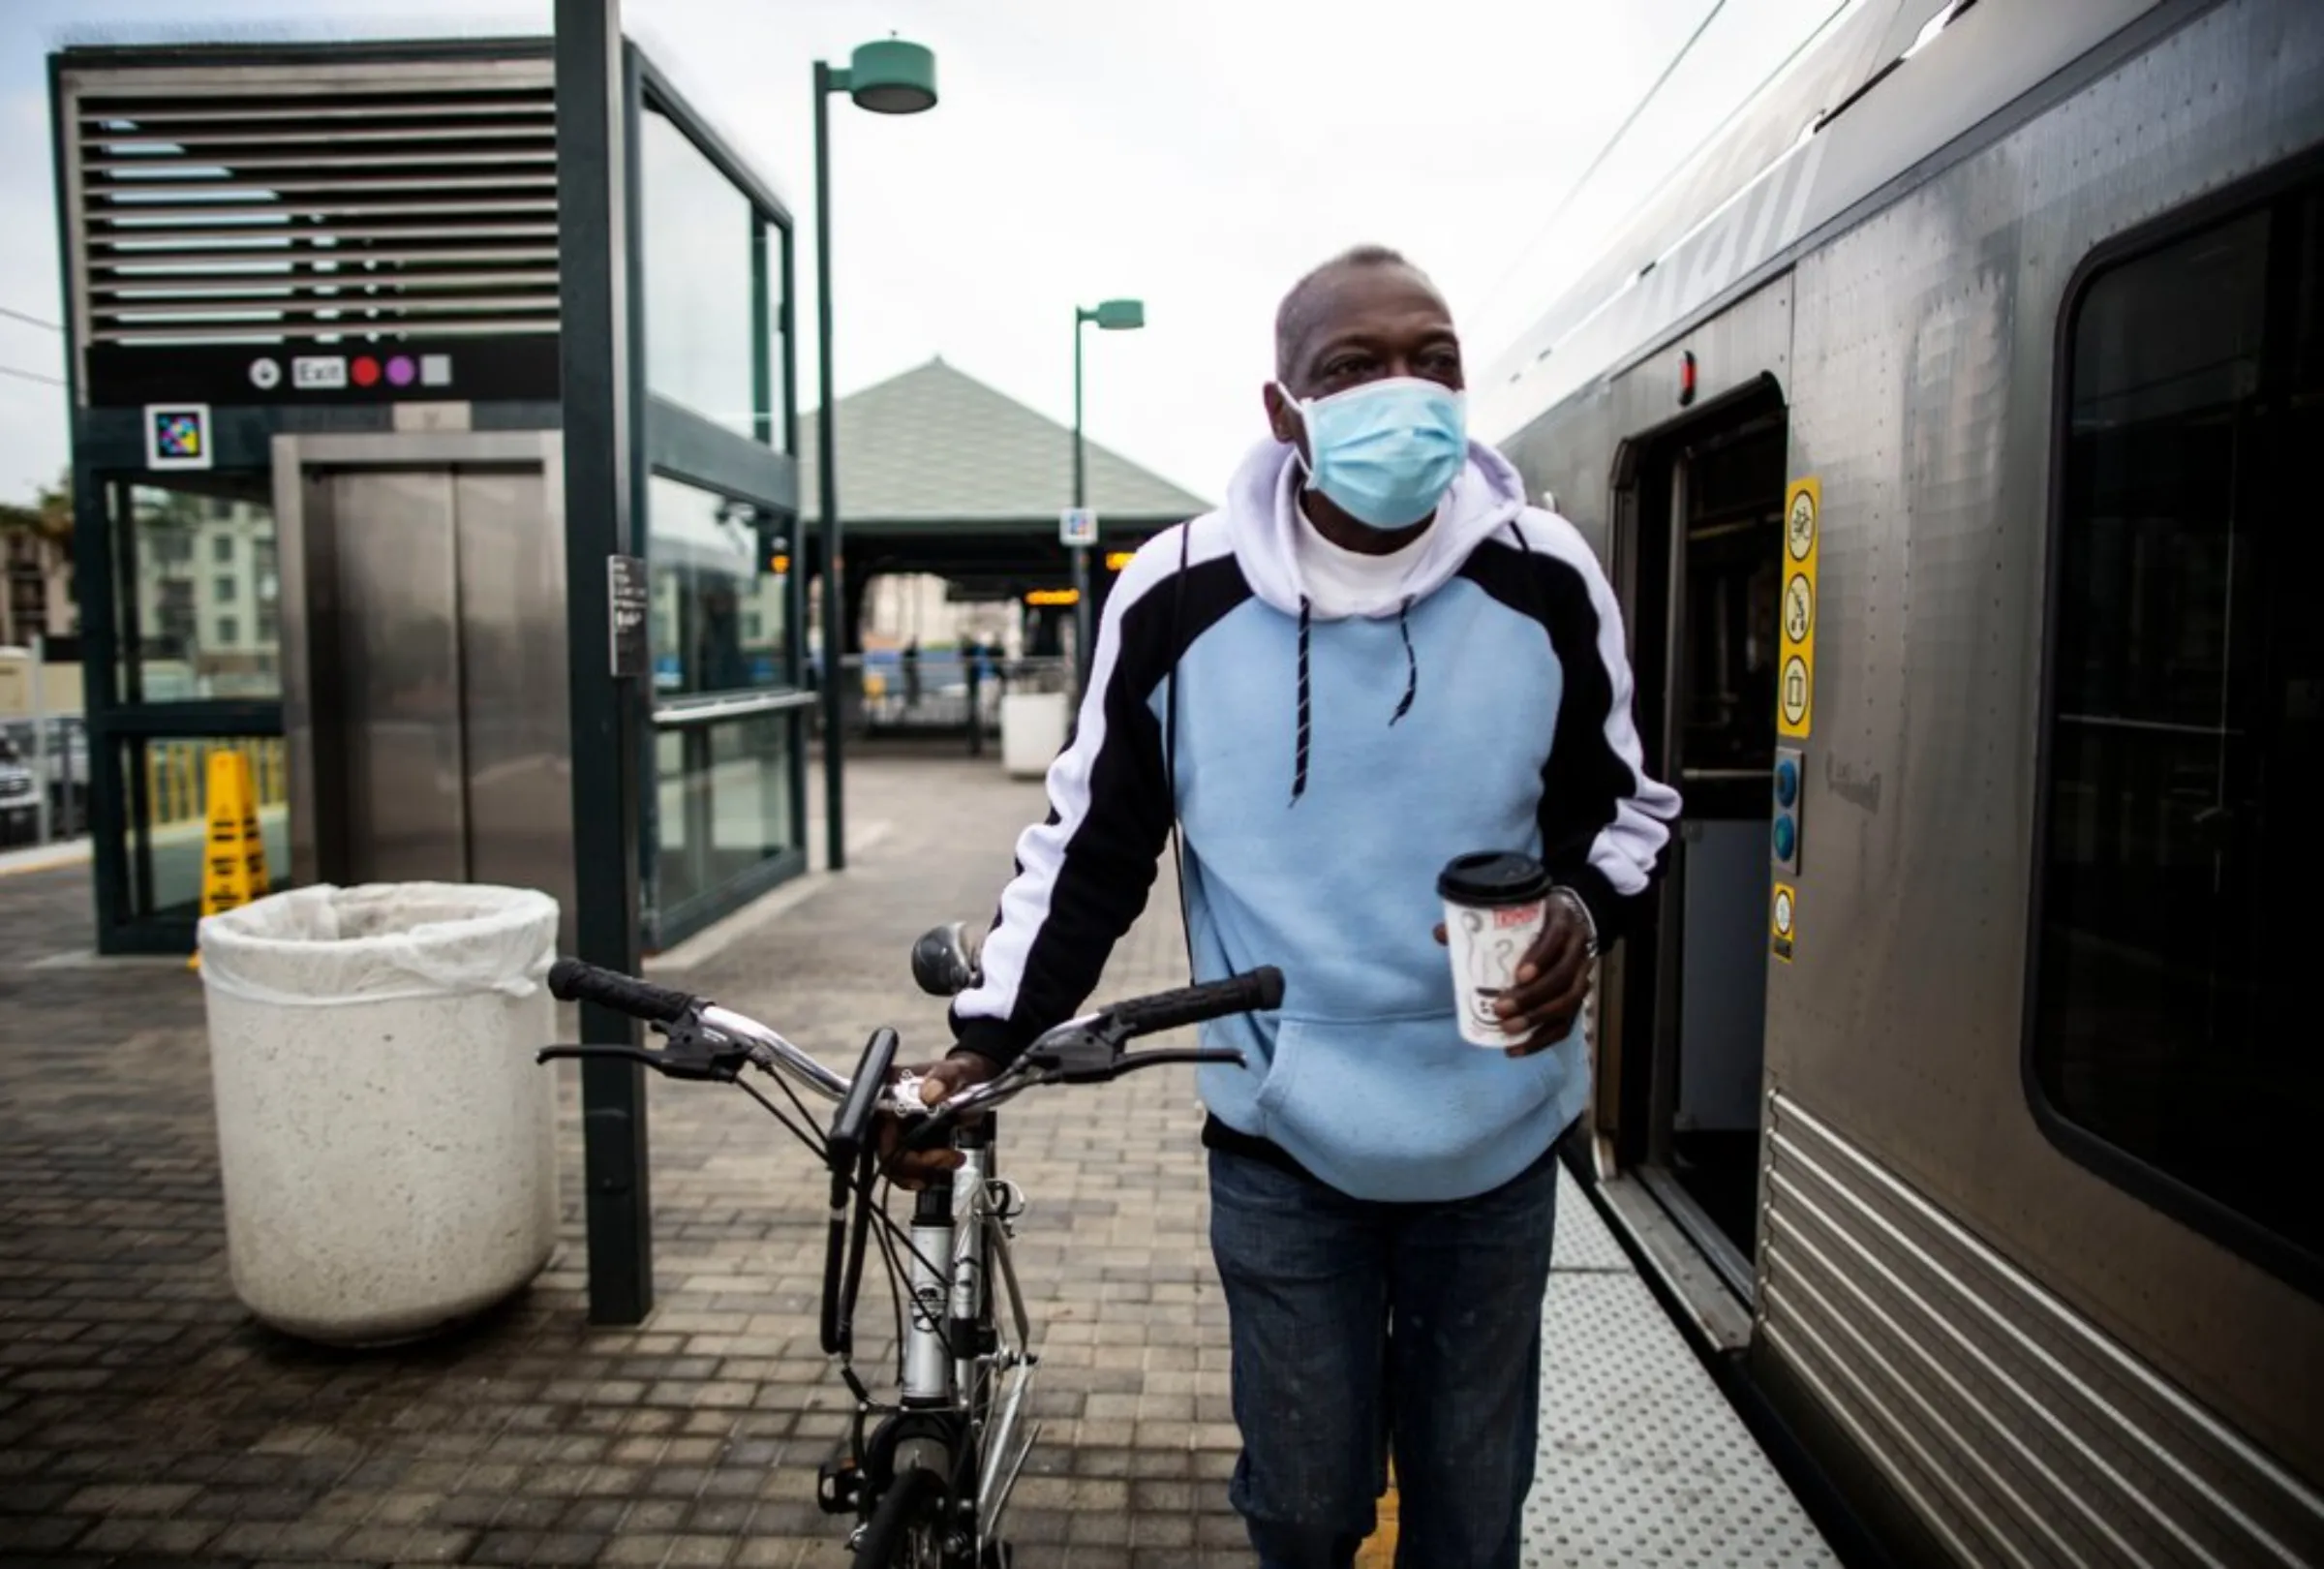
<point>1032,732</point>
<point>388,1143</point>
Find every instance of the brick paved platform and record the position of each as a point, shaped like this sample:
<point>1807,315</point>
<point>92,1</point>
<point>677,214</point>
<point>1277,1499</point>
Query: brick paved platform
<point>145,1418</point>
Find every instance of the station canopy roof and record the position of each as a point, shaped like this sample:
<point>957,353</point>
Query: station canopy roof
<point>935,450</point>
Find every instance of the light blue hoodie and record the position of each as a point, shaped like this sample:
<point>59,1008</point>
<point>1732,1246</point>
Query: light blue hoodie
<point>1323,771</point>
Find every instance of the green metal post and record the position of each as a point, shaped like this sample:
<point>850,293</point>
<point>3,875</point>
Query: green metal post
<point>888,77</point>
<point>827,463</point>
<point>1082,619</point>
<point>595,374</point>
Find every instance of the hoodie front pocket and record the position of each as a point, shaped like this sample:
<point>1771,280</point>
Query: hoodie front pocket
<point>1403,1108</point>
<point>1283,1067</point>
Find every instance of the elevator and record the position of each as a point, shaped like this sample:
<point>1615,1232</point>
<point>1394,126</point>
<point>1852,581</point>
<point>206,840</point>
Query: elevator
<point>424,659</point>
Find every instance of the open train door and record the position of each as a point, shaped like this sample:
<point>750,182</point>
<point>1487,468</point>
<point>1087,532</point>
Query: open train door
<point>1698,540</point>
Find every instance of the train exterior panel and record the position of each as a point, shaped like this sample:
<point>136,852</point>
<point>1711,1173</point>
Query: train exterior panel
<point>2046,1350</point>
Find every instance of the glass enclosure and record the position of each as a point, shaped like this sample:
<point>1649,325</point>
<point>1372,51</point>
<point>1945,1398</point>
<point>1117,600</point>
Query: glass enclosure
<point>729,718</point>
<point>722,612</point>
<point>723,793</point>
<point>199,594</point>
<point>195,665</point>
<point>700,254</point>
<point>168,783</point>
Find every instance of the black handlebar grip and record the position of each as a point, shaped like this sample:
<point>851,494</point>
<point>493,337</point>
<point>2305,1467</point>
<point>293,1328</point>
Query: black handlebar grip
<point>1253,992</point>
<point>854,1121</point>
<point>573,981</point>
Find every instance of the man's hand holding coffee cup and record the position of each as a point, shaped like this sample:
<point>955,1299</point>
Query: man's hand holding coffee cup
<point>1551,983</point>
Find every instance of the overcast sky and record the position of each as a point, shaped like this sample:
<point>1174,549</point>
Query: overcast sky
<point>1199,155</point>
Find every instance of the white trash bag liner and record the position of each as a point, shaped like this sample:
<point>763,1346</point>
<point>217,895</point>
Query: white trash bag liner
<point>388,1143</point>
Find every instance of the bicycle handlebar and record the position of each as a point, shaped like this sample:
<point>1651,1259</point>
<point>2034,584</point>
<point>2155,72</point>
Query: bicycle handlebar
<point>1254,992</point>
<point>573,981</point>
<point>709,1042</point>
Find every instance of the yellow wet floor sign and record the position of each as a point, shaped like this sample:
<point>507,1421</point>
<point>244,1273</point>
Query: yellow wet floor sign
<point>1379,1550</point>
<point>233,860</point>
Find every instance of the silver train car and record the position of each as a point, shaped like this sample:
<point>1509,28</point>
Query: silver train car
<point>1952,427</point>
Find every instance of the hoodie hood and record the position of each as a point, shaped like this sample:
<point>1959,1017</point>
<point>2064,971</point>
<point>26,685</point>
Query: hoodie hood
<point>1263,514</point>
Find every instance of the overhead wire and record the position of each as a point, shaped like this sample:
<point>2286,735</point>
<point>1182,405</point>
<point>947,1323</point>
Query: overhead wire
<point>31,376</point>
<point>29,320</point>
<point>1789,59</point>
<point>1606,151</point>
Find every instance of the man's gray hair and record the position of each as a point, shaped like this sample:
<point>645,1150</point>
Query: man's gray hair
<point>1296,317</point>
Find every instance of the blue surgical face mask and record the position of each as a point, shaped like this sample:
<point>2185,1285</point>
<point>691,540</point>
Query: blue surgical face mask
<point>1387,452</point>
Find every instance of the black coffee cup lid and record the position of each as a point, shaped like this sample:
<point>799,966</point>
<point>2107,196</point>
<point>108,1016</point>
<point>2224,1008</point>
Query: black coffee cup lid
<point>1491,878</point>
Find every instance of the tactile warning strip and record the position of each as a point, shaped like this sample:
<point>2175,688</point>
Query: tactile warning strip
<point>1641,1458</point>
<point>1582,1240</point>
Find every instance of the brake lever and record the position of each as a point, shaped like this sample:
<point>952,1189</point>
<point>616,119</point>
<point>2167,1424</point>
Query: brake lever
<point>1076,1055</point>
<point>710,1070</point>
<point>623,1054</point>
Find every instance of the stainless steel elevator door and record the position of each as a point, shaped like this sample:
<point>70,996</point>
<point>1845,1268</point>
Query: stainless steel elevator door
<point>514,701</point>
<point>395,536</point>
<point>440,726</point>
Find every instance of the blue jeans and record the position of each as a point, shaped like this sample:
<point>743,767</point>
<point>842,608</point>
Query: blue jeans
<point>1359,1326</point>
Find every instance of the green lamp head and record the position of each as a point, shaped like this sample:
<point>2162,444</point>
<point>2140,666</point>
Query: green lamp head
<point>1118,315</point>
<point>893,78</point>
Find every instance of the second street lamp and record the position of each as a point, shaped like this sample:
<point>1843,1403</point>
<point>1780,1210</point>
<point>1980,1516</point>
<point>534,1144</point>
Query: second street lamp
<point>888,77</point>
<point>1112,316</point>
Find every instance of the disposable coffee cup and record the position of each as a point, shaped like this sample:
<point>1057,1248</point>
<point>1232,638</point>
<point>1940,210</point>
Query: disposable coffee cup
<point>1495,902</point>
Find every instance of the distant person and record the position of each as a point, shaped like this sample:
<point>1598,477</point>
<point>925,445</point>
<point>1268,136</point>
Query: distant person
<point>1378,657</point>
<point>910,660</point>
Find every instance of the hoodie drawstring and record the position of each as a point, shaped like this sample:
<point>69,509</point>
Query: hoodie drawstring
<point>1411,664</point>
<point>1299,767</point>
<point>1412,687</point>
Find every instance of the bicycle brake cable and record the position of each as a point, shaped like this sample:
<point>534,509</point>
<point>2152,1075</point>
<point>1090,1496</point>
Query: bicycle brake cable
<point>796,1132</point>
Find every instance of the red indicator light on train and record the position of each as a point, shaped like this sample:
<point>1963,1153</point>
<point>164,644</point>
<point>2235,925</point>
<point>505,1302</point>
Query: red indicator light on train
<point>365,371</point>
<point>1686,378</point>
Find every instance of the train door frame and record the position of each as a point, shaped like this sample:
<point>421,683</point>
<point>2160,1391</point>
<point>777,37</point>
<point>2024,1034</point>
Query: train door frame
<point>1636,1099</point>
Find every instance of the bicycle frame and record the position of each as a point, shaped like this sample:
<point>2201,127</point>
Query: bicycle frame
<point>964,1380</point>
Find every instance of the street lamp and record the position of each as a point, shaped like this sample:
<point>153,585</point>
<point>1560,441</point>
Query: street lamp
<point>1112,316</point>
<point>888,77</point>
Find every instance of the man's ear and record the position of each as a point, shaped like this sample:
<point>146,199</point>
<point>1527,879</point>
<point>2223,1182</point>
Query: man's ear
<point>1282,417</point>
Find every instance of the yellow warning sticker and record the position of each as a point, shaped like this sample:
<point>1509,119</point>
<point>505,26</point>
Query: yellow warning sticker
<point>1783,915</point>
<point>1795,661</point>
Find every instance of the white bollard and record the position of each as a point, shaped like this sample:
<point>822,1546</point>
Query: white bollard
<point>1032,732</point>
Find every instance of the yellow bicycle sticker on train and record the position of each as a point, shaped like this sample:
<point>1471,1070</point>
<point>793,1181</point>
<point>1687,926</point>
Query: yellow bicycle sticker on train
<point>1795,661</point>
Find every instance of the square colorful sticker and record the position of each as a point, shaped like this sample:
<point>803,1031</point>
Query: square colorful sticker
<point>177,435</point>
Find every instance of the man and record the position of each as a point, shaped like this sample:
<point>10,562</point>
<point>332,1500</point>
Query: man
<point>1381,657</point>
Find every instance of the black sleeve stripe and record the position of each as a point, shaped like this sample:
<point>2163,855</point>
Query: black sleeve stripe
<point>1604,822</point>
<point>1083,874</point>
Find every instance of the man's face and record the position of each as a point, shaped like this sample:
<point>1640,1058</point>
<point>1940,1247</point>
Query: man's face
<point>1370,324</point>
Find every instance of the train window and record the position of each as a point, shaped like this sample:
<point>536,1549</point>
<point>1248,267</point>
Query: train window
<point>2173,1044</point>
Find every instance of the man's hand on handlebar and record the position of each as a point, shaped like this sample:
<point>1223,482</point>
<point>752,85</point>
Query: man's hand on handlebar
<point>911,1170</point>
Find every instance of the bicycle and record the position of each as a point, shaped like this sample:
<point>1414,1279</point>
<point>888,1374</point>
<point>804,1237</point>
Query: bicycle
<point>929,1475</point>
